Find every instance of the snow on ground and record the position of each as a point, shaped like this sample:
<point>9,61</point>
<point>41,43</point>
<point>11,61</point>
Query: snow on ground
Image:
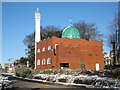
<point>4,82</point>
<point>92,81</point>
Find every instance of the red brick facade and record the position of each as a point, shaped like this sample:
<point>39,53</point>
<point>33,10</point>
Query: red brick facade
<point>68,53</point>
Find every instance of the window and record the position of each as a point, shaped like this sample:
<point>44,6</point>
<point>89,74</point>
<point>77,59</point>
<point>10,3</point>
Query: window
<point>89,54</point>
<point>38,51</point>
<point>43,62</point>
<point>43,49</point>
<point>49,47</point>
<point>49,61</point>
<point>38,62</point>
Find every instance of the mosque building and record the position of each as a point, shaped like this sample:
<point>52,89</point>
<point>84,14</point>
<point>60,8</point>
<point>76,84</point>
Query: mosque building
<point>68,52</point>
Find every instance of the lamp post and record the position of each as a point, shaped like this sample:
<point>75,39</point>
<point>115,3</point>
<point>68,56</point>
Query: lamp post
<point>119,42</point>
<point>28,64</point>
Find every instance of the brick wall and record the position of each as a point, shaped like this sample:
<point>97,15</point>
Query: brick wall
<point>70,51</point>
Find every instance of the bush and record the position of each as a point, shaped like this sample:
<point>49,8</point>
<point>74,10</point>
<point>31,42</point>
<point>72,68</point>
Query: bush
<point>47,72</point>
<point>22,72</point>
<point>62,80</point>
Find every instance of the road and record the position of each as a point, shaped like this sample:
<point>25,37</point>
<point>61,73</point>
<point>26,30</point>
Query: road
<point>19,83</point>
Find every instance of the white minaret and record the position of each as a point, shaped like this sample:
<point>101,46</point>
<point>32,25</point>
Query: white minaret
<point>37,26</point>
<point>37,31</point>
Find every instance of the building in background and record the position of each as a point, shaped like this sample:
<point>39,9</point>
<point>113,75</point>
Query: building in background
<point>107,59</point>
<point>8,67</point>
<point>68,52</point>
<point>11,67</point>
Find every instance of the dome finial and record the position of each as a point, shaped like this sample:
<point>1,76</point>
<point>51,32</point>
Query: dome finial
<point>37,9</point>
<point>70,21</point>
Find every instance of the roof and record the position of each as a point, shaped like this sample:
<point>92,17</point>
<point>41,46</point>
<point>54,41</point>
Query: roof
<point>71,32</point>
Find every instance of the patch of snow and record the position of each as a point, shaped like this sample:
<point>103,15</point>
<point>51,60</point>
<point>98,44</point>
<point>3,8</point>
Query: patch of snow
<point>94,80</point>
<point>5,82</point>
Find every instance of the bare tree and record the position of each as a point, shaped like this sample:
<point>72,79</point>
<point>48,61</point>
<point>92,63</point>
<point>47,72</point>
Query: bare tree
<point>29,41</point>
<point>50,31</point>
<point>113,29</point>
<point>113,38</point>
<point>88,31</point>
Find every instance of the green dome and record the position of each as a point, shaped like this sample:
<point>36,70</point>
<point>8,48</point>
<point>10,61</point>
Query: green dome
<point>71,32</point>
<point>37,12</point>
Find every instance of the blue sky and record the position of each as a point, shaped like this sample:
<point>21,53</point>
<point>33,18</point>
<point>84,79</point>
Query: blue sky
<point>18,20</point>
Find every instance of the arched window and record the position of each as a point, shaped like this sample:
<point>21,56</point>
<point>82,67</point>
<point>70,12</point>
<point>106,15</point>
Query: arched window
<point>38,50</point>
<point>38,62</point>
<point>49,61</point>
<point>49,47</point>
<point>43,62</point>
<point>43,49</point>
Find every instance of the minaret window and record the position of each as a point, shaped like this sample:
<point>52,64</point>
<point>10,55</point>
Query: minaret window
<point>49,48</point>
<point>43,49</point>
<point>38,51</point>
<point>49,61</point>
<point>38,62</point>
<point>43,62</point>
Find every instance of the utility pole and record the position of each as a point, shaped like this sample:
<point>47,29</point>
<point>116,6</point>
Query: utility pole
<point>119,34</point>
<point>119,44</point>
<point>114,55</point>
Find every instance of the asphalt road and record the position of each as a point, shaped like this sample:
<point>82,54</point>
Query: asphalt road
<point>20,84</point>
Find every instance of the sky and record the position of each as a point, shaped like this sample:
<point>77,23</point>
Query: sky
<point>18,21</point>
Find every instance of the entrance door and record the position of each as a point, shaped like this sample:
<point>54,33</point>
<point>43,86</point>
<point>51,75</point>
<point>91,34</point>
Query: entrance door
<point>97,66</point>
<point>64,65</point>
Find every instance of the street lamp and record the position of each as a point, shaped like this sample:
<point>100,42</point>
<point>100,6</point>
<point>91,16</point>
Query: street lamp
<point>28,64</point>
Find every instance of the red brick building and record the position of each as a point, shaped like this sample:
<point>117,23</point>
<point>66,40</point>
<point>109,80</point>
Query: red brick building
<point>59,53</point>
<point>69,52</point>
